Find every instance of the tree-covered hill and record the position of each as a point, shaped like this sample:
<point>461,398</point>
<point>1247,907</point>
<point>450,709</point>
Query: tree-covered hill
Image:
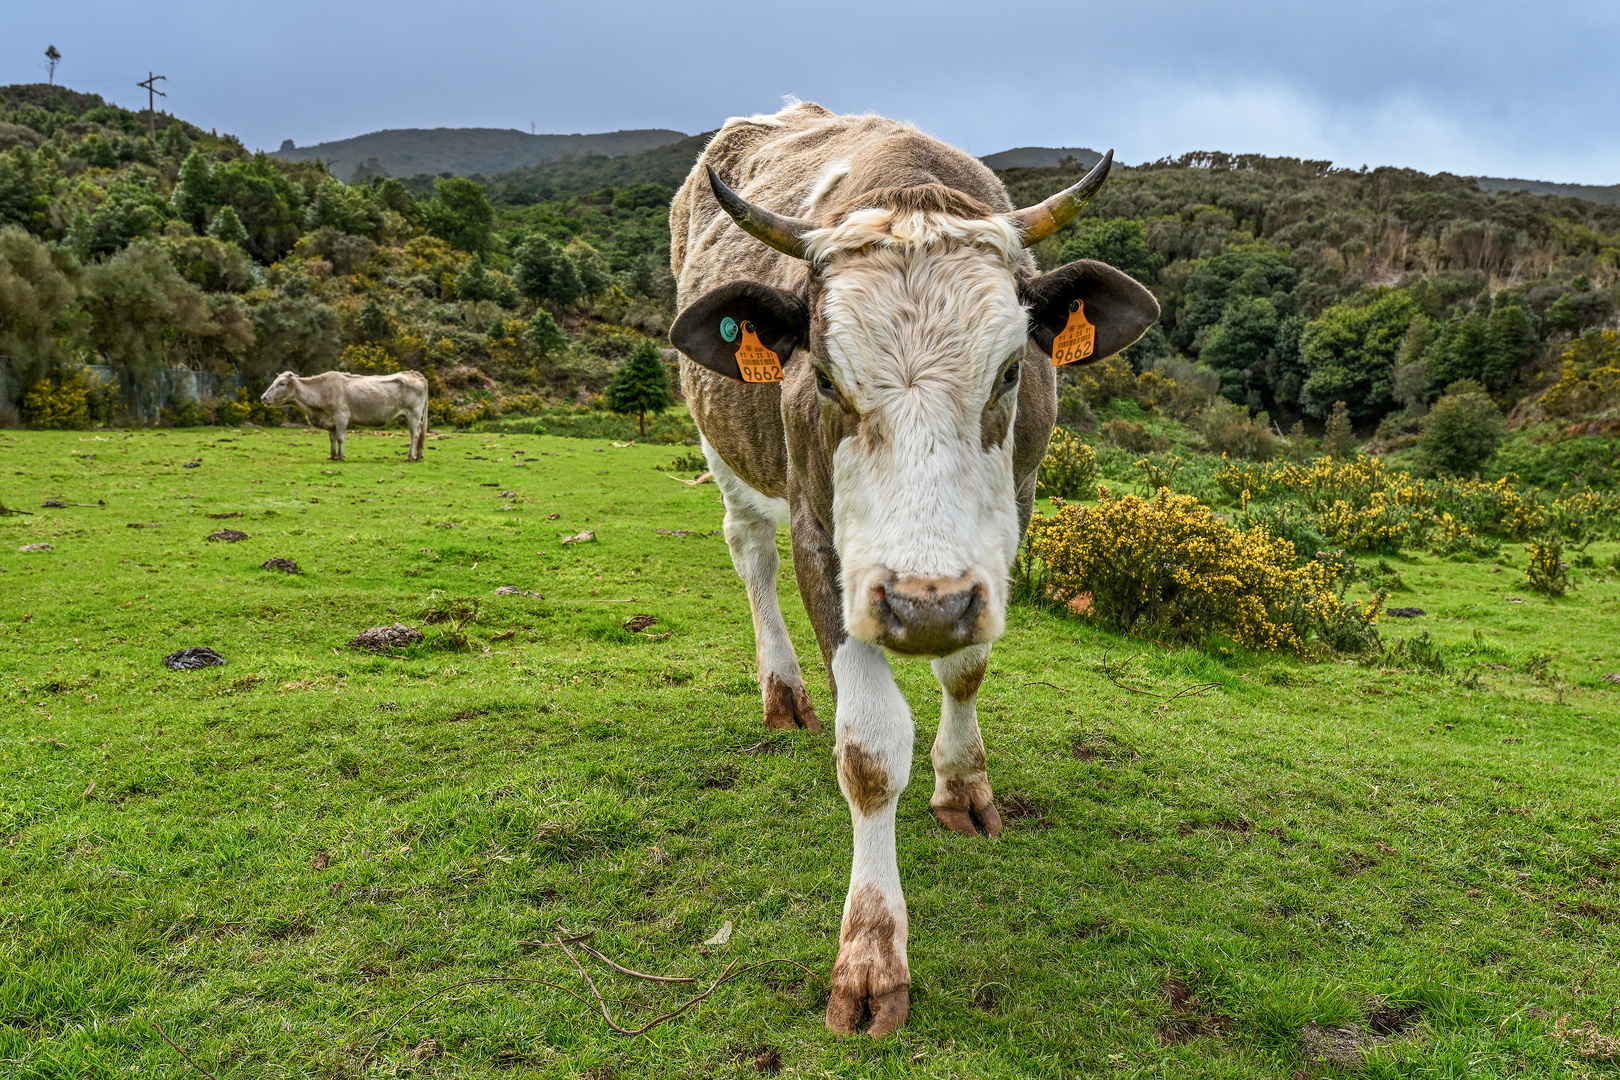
<point>1287,286</point>
<point>1027,157</point>
<point>665,166</point>
<point>464,151</point>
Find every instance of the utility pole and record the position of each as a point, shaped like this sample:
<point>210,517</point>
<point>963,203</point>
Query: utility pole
<point>150,86</point>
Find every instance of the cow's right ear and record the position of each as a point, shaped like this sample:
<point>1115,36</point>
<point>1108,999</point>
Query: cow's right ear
<point>713,329</point>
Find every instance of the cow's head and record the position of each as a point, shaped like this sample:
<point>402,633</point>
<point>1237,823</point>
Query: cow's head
<point>281,391</point>
<point>917,316</point>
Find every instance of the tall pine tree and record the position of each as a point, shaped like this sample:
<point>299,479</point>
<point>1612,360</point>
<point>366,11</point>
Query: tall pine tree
<point>641,386</point>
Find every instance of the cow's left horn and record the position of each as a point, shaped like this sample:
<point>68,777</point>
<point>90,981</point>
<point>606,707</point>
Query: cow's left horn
<point>1043,219</point>
<point>780,232</point>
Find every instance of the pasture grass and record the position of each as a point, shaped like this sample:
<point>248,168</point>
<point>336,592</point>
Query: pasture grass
<point>276,859</point>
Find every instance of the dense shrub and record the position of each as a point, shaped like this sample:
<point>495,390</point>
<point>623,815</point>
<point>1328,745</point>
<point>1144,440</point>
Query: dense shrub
<point>1169,568</point>
<point>70,400</point>
<point>1129,435</point>
<point>1462,430</point>
<point>1228,431</point>
<point>57,404</point>
<point>1069,468</point>
<point>1589,376</point>
<point>1546,572</point>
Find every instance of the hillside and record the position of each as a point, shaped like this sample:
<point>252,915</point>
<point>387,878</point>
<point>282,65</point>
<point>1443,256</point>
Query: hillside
<point>1287,286</point>
<point>1030,157</point>
<point>1608,194</point>
<point>465,151</point>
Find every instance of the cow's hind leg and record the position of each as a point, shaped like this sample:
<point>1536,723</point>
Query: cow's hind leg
<point>963,801</point>
<point>751,523</point>
<point>418,428</point>
<point>872,979</point>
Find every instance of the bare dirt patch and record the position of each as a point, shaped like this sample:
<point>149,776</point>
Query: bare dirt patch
<point>1014,806</point>
<point>1189,1017</point>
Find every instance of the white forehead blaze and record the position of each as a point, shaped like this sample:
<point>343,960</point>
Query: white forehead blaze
<point>921,323</point>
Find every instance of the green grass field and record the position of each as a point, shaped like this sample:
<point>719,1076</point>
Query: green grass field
<point>276,859</point>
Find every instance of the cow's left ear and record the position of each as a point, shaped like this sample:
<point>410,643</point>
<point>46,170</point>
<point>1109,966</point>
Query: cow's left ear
<point>725,329</point>
<point>1062,303</point>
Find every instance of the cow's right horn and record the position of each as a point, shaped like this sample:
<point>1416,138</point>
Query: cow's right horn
<point>780,232</point>
<point>1043,219</point>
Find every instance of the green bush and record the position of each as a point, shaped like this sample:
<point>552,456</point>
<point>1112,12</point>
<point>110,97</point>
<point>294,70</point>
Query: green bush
<point>1228,430</point>
<point>1462,430</point>
<point>184,413</point>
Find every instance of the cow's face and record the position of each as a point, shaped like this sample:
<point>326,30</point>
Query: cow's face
<point>917,325</point>
<point>917,355</point>
<point>281,391</point>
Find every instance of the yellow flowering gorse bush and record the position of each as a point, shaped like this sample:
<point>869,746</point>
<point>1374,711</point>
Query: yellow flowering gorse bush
<point>1366,506</point>
<point>1169,567</point>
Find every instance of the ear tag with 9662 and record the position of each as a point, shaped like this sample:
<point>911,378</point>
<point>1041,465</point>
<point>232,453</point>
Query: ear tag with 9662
<point>757,363</point>
<point>1077,339</point>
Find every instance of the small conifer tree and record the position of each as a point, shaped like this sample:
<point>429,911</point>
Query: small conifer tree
<point>641,386</point>
<point>1339,440</point>
<point>227,227</point>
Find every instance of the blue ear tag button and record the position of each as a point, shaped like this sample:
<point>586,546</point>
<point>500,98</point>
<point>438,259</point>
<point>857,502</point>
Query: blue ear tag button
<point>728,328</point>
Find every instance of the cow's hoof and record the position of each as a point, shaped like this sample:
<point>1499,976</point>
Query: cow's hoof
<point>967,807</point>
<point>788,707</point>
<point>870,982</point>
<point>886,1012</point>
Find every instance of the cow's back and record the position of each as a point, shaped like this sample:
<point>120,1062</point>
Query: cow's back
<point>779,162</point>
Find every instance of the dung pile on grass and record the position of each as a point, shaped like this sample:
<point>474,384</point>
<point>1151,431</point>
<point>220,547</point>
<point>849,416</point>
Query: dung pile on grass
<point>286,566</point>
<point>194,657</point>
<point>378,638</point>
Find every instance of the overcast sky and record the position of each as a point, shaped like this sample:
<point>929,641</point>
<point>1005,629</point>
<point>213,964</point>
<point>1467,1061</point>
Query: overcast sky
<point>1478,87</point>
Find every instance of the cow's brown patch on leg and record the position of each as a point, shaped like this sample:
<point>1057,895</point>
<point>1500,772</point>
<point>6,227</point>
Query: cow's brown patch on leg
<point>865,779</point>
<point>788,706</point>
<point>968,805</point>
<point>870,981</point>
<point>964,684</point>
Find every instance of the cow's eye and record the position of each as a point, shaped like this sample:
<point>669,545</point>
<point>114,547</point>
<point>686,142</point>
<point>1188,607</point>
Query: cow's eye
<point>824,385</point>
<point>1009,380</point>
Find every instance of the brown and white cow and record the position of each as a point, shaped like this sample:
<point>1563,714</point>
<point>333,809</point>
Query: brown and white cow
<point>336,401</point>
<point>867,360</point>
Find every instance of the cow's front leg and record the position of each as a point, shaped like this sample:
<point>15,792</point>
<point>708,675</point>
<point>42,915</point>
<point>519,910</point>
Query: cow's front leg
<point>752,520</point>
<point>871,979</point>
<point>336,451</point>
<point>340,433</point>
<point>962,798</point>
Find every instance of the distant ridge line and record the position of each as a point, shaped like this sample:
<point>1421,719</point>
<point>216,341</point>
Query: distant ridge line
<point>408,152</point>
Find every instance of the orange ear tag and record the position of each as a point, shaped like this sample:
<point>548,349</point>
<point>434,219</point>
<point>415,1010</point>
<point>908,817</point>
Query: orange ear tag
<point>1077,339</point>
<point>757,363</point>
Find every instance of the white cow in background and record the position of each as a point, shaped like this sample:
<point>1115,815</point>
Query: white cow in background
<point>334,400</point>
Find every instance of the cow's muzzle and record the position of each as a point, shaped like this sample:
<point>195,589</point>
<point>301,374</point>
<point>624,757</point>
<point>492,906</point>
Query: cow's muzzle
<point>927,616</point>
